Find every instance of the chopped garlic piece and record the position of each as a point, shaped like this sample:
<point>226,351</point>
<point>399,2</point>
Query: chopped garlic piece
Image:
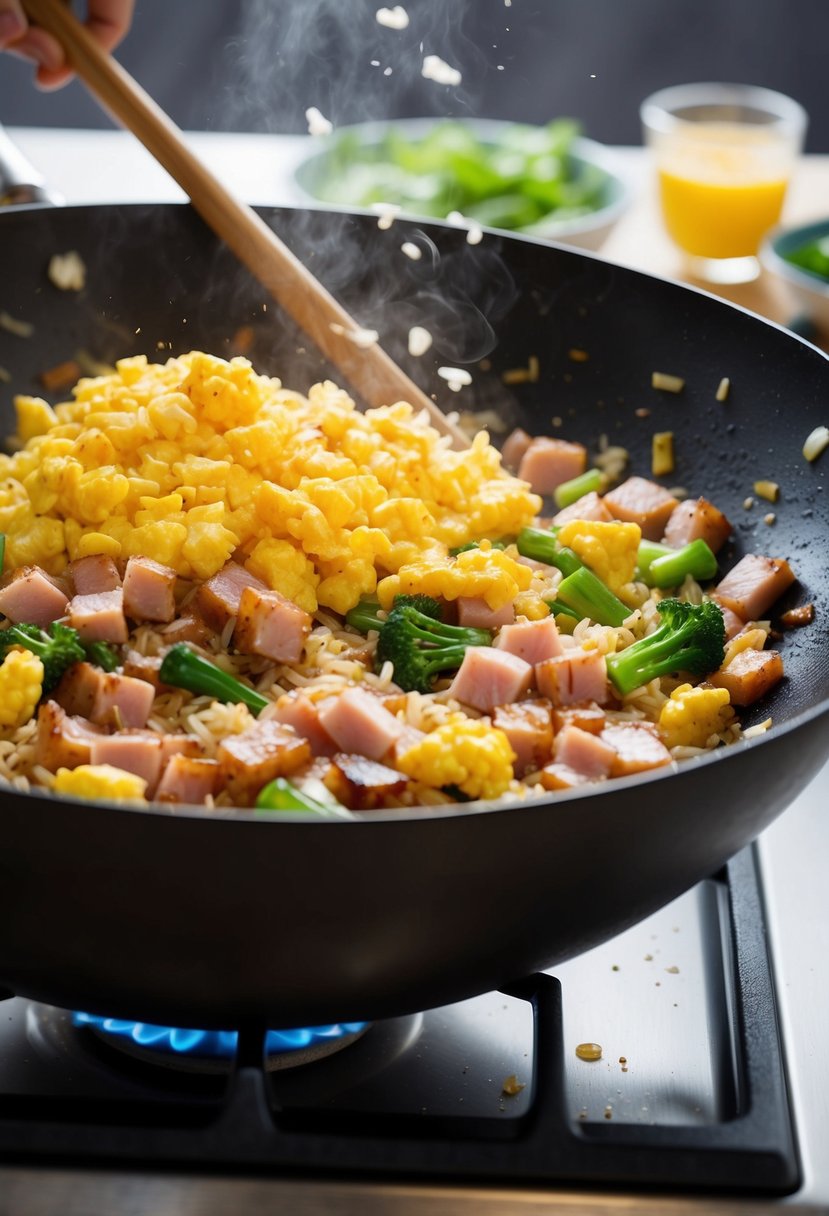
<point>723,389</point>
<point>576,355</point>
<point>435,68</point>
<point>393,18</point>
<point>419,341</point>
<point>411,250</point>
<point>512,1086</point>
<point>769,490</point>
<point>662,453</point>
<point>816,442</point>
<point>670,384</point>
<point>318,124</point>
<point>67,271</point>
<point>456,377</point>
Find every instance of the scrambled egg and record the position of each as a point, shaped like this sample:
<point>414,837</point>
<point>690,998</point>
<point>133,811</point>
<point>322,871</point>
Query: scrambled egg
<point>200,459</point>
<point>465,752</point>
<point>482,573</point>
<point>691,716</point>
<point>609,549</point>
<point>99,781</point>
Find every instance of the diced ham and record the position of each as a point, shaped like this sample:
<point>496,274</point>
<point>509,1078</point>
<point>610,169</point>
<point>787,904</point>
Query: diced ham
<point>359,724</point>
<point>749,675</point>
<point>149,590</point>
<point>106,698</point>
<point>361,784</point>
<point>587,716</point>
<point>532,641</point>
<point>93,574</point>
<point>529,727</point>
<point>188,780</point>
<point>270,625</point>
<point>637,746</point>
<point>514,447</point>
<point>796,618</point>
<point>217,600</point>
<point>32,597</point>
<point>577,675</point>
<point>250,760</point>
<point>62,741</point>
<point>99,617</point>
<point>139,754</point>
<point>190,627</point>
<point>752,586</point>
<point>642,502</point>
<point>558,776</point>
<point>143,667</point>
<point>296,709</point>
<point>697,519</point>
<point>180,745</point>
<point>586,753</point>
<point>547,463</point>
<point>589,506</point>
<point>488,677</point>
<point>733,623</point>
<point>475,613</point>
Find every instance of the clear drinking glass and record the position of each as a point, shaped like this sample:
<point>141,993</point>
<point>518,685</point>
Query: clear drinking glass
<point>724,155</point>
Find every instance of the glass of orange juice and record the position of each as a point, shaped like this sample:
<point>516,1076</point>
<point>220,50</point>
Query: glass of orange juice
<point>724,154</point>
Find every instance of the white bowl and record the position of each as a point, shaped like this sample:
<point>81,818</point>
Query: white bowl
<point>585,231</point>
<point>809,291</point>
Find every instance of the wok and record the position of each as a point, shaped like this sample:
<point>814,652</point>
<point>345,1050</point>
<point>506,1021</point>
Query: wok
<point>225,919</point>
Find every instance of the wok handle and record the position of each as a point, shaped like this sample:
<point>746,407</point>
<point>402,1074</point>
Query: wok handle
<point>368,368</point>
<point>19,182</point>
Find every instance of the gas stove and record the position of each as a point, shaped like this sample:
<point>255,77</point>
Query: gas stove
<point>706,1090</point>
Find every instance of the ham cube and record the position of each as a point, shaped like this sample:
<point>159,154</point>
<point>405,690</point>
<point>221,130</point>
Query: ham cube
<point>749,675</point>
<point>180,745</point>
<point>139,754</point>
<point>577,675</point>
<point>587,716</point>
<point>361,784</point>
<point>529,727</point>
<point>697,519</point>
<point>359,724</point>
<point>62,741</point>
<point>270,625</point>
<point>587,754</point>
<point>145,667</point>
<point>637,746</point>
<point>556,776</point>
<point>77,689</point>
<point>217,600</point>
<point>32,597</point>
<point>191,627</point>
<point>488,677</point>
<point>99,617</point>
<point>752,586</point>
<point>475,613</point>
<point>188,780</point>
<point>733,623</point>
<point>533,641</point>
<point>514,447</point>
<point>122,701</point>
<point>248,761</point>
<point>642,502</point>
<point>547,463</point>
<point>93,574</point>
<point>149,590</point>
<point>589,506</point>
<point>296,709</point>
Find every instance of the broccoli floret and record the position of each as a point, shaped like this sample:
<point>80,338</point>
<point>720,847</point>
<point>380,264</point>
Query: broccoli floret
<point>57,649</point>
<point>691,637</point>
<point>364,616</point>
<point>421,645</point>
<point>102,655</point>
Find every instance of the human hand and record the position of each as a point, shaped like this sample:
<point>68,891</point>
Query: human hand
<point>107,20</point>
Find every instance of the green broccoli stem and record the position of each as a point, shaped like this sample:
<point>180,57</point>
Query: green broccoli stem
<point>588,595</point>
<point>571,491</point>
<point>181,667</point>
<point>102,655</point>
<point>280,795</point>
<point>672,568</point>
<point>363,616</point>
<point>543,547</point>
<point>691,638</point>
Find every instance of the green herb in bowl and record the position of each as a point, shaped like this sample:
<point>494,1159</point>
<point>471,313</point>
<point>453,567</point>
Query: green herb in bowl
<point>812,256</point>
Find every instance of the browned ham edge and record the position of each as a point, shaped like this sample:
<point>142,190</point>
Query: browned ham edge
<point>31,596</point>
<point>149,590</point>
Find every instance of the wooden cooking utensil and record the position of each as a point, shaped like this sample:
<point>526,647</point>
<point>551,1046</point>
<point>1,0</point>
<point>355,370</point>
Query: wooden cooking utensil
<point>368,369</point>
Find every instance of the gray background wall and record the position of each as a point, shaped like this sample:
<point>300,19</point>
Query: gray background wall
<point>257,64</point>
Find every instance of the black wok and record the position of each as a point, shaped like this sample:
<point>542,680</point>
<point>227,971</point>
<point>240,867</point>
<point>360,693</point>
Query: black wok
<point>220,919</point>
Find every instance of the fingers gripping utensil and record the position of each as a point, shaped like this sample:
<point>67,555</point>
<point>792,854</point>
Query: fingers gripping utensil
<point>366,367</point>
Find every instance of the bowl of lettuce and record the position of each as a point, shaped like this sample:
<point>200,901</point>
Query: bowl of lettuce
<point>799,256</point>
<point>545,181</point>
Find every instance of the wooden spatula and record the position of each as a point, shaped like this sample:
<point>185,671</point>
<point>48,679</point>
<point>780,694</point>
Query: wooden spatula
<point>368,369</point>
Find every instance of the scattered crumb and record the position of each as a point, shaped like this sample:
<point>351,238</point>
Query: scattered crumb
<point>20,329</point>
<point>60,377</point>
<point>5,376</point>
<point>435,68</point>
<point>67,271</point>
<point>748,503</point>
<point>411,250</point>
<point>589,1051</point>
<point>795,617</point>
<point>648,958</point>
<point>393,18</point>
<point>318,124</point>
<point>512,1086</point>
<point>770,518</point>
<point>615,967</point>
<point>672,970</point>
<point>522,375</point>
<point>722,389</point>
<point>419,341</point>
<point>666,382</point>
<point>769,490</point>
<point>642,412</point>
<point>608,1111</point>
<point>577,355</point>
<point>662,453</point>
<point>816,442</point>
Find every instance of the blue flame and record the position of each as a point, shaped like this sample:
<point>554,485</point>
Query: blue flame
<point>219,1044</point>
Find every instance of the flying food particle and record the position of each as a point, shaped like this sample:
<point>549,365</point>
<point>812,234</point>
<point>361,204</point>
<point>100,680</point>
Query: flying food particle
<point>419,341</point>
<point>318,124</point>
<point>411,250</point>
<point>456,377</point>
<point>668,383</point>
<point>360,337</point>
<point>387,213</point>
<point>723,389</point>
<point>67,271</point>
<point>393,18</point>
<point>816,442</point>
<point>512,1086</point>
<point>589,1051</point>
<point>435,68</point>
<point>672,970</point>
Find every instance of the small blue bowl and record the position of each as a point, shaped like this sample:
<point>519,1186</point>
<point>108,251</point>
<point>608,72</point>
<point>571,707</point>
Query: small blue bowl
<point>810,291</point>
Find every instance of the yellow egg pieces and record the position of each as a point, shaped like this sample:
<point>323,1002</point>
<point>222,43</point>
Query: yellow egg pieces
<point>691,716</point>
